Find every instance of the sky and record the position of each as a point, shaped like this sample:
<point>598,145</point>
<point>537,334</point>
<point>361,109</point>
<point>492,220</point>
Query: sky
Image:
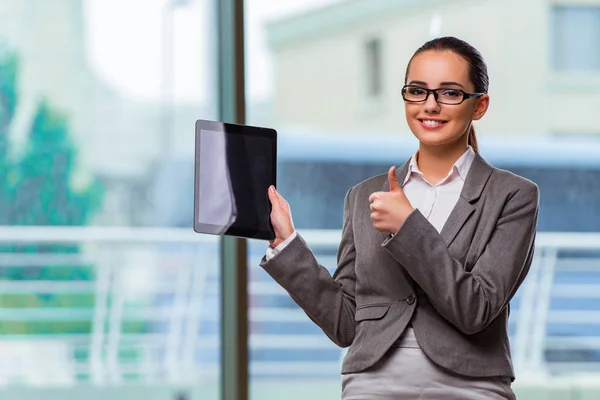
<point>125,38</point>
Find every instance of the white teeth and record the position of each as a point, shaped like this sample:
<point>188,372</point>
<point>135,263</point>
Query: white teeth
<point>432,123</point>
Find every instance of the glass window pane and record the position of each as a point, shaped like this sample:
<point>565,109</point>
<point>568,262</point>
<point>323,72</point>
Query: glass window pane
<point>102,279</point>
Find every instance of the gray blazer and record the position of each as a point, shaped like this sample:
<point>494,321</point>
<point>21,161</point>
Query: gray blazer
<point>454,287</point>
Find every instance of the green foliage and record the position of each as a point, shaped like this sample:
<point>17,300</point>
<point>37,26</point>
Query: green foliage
<point>8,103</point>
<point>37,189</point>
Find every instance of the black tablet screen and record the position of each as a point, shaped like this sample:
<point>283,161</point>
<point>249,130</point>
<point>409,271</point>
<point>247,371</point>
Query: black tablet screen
<point>234,173</point>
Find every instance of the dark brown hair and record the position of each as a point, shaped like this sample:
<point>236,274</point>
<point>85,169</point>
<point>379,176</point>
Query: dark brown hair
<point>477,67</point>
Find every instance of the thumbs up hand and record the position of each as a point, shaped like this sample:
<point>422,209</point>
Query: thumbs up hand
<point>390,209</point>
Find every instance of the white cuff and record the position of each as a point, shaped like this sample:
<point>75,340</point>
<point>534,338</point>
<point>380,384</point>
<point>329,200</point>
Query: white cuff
<point>272,252</point>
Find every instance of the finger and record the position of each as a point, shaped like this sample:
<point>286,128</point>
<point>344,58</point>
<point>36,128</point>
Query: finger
<point>374,196</point>
<point>273,196</point>
<point>375,205</point>
<point>393,180</point>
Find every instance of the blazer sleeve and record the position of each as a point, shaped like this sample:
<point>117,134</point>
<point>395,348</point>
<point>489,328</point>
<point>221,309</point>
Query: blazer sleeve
<point>328,300</point>
<point>471,300</point>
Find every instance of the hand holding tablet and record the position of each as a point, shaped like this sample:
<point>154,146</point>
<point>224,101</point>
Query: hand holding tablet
<point>281,218</point>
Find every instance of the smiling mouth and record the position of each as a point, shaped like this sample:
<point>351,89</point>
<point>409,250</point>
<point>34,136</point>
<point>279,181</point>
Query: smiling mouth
<point>432,124</point>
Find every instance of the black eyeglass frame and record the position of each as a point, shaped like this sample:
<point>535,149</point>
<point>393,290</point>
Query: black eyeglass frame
<point>466,95</point>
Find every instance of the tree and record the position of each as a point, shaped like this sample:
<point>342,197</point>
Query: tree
<point>8,104</point>
<point>37,189</point>
<point>45,194</point>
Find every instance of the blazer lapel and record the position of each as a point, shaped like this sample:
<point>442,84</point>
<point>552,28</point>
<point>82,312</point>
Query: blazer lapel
<point>456,220</point>
<point>477,177</point>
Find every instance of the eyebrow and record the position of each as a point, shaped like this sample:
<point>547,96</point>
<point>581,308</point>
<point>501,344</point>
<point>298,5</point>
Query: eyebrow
<point>442,84</point>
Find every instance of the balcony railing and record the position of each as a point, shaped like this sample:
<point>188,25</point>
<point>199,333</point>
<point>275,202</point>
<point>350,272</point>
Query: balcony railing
<point>141,304</point>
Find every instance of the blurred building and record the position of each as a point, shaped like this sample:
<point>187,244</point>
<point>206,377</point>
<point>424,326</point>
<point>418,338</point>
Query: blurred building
<point>341,67</point>
<point>118,138</point>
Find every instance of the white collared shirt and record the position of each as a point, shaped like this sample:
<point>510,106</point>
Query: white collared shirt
<point>435,202</point>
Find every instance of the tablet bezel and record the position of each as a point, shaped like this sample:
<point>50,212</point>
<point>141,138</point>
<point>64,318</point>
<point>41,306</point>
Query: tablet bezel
<point>236,129</point>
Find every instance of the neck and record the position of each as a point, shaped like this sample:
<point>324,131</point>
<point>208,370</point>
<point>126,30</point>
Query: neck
<point>436,161</point>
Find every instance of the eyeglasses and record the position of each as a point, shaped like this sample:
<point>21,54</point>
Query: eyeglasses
<point>418,94</point>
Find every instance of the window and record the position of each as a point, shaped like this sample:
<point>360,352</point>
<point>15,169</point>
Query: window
<point>575,38</point>
<point>96,157</point>
<point>373,62</point>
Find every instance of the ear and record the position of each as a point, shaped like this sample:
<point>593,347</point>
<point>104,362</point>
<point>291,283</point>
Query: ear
<point>483,102</point>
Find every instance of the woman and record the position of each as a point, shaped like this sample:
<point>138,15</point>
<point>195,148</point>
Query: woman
<point>430,255</point>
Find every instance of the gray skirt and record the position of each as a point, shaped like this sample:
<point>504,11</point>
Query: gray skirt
<point>405,372</point>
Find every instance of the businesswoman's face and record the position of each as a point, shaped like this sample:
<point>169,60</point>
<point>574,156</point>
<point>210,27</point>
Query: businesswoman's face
<point>445,121</point>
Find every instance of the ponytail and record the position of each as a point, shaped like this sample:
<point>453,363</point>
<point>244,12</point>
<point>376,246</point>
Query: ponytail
<point>473,139</point>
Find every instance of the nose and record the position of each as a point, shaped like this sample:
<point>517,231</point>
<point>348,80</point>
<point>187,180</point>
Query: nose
<point>431,105</point>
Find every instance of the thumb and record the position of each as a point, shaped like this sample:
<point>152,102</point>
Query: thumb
<point>393,180</point>
<point>273,198</point>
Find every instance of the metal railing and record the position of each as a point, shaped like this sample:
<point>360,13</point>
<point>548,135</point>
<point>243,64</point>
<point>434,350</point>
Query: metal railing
<point>148,308</point>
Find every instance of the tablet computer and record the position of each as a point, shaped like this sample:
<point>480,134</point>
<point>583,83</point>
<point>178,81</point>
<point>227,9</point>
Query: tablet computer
<point>234,167</point>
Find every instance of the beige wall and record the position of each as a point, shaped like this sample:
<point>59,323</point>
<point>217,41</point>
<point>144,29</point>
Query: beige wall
<point>319,81</point>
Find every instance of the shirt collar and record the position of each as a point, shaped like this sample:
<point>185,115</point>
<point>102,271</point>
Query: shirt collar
<point>461,165</point>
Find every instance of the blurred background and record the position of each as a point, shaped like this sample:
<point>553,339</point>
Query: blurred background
<point>104,288</point>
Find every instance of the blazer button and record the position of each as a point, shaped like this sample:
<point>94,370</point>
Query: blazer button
<point>410,299</point>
